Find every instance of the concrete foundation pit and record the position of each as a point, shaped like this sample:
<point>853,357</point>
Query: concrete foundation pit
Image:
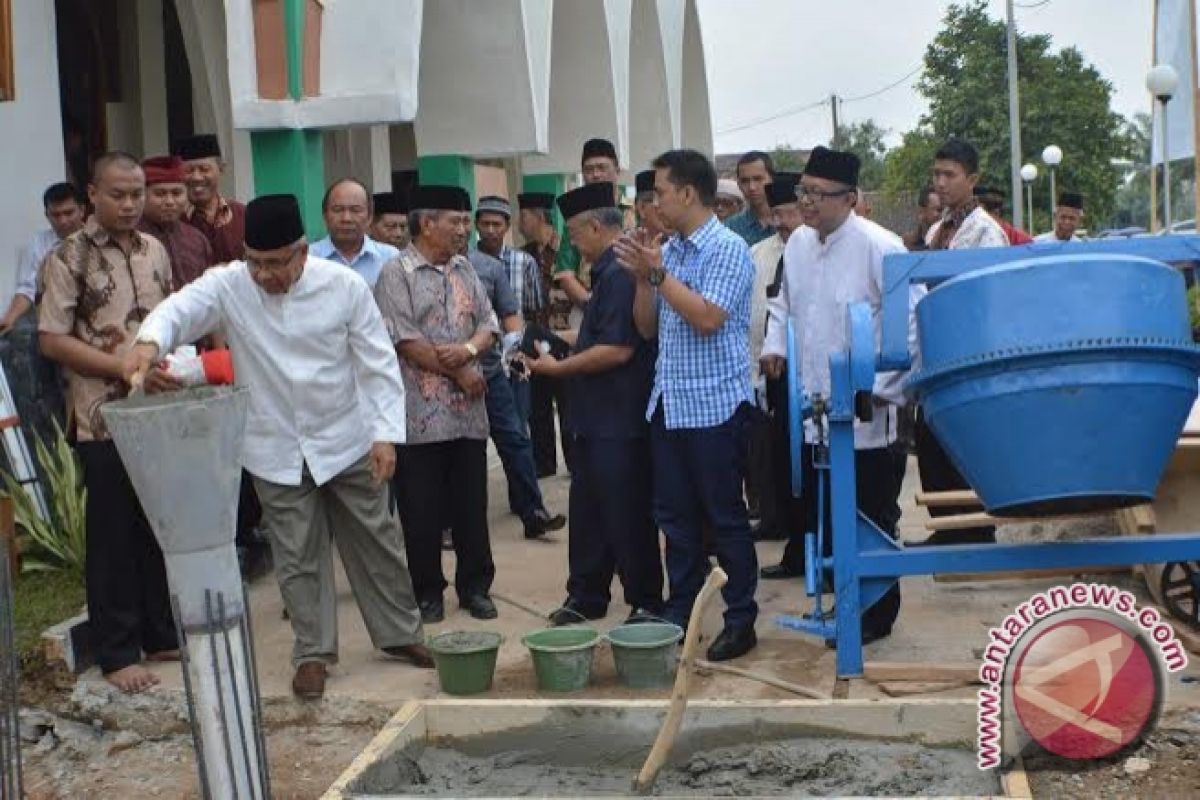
<point>452,748</point>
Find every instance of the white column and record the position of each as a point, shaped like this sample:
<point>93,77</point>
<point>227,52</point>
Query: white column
<point>152,76</point>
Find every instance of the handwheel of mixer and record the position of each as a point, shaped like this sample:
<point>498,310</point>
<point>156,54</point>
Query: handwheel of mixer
<point>1180,589</point>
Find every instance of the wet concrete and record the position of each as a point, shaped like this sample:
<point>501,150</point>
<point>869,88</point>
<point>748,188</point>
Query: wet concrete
<point>551,761</point>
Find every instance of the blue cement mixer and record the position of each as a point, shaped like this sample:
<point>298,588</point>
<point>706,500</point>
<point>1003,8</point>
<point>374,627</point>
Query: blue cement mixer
<point>1057,377</point>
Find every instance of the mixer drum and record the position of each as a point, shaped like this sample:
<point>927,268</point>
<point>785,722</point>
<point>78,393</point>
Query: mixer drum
<point>1058,385</point>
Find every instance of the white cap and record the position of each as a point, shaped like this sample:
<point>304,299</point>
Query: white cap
<point>729,187</point>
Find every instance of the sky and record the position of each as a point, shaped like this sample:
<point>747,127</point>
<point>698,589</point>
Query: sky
<point>765,57</point>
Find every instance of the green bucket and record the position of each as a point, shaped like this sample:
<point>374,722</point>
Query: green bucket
<point>562,657</point>
<point>466,660</point>
<point>645,653</point>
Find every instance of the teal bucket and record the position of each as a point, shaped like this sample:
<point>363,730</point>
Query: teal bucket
<point>562,657</point>
<point>645,653</point>
<point>466,660</point>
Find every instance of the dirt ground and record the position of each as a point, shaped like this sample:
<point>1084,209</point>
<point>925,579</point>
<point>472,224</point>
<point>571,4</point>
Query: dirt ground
<point>310,744</point>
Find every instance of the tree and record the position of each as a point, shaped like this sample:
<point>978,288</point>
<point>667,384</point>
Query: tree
<point>865,140</point>
<point>1064,101</point>
<point>786,158</point>
<point>1133,197</point>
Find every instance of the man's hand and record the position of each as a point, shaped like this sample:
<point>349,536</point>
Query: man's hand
<point>383,462</point>
<point>157,380</point>
<point>772,366</point>
<point>544,364</point>
<point>137,362</point>
<point>452,356</point>
<point>6,325</point>
<point>639,252</point>
<point>471,382</point>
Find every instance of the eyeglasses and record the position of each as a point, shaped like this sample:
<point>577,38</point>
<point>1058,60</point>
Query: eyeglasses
<point>270,264</point>
<point>805,193</point>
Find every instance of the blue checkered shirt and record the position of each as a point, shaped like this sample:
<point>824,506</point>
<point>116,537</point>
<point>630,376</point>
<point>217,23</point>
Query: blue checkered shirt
<point>526,279</point>
<point>701,380</point>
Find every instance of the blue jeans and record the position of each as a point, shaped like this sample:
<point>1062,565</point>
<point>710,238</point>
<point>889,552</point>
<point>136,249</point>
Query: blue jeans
<point>698,474</point>
<point>511,436</point>
<point>522,399</point>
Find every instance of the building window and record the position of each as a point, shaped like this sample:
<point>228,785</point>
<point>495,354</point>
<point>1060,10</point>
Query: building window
<point>8,87</point>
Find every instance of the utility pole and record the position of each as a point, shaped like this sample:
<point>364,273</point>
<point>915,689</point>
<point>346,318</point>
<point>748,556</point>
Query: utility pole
<point>1014,122</point>
<point>833,105</point>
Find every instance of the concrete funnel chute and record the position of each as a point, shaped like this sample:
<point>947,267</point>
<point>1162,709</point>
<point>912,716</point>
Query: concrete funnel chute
<point>183,453</point>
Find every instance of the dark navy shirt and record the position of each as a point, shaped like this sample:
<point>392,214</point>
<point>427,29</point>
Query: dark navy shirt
<point>612,404</point>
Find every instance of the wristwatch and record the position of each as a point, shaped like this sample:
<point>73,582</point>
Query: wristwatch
<point>472,349</point>
<point>657,276</point>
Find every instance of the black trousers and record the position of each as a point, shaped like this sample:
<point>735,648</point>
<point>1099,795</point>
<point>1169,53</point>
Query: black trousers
<point>129,604</point>
<point>876,489</point>
<point>436,483</point>
<point>545,394</point>
<point>938,474</point>
<point>612,525</point>
<point>772,465</point>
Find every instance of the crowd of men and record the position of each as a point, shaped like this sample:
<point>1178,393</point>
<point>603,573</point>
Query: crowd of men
<point>382,358</point>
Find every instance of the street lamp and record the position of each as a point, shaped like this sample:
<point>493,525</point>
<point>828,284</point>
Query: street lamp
<point>1161,80</point>
<point>1029,175</point>
<point>1052,157</point>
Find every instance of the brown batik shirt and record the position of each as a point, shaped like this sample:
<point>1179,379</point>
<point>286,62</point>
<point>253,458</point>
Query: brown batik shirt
<point>225,230</point>
<point>188,249</point>
<point>98,294</point>
<point>441,304</point>
<point>556,306</point>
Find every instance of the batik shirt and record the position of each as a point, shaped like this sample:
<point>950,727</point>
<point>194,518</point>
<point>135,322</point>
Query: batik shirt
<point>99,294</point>
<point>440,304</point>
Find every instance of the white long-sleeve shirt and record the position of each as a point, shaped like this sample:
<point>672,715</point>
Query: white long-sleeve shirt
<point>820,282</point>
<point>323,376</point>
<point>766,255</point>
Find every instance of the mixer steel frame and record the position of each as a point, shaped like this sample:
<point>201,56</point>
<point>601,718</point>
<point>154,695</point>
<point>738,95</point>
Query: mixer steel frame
<point>868,561</point>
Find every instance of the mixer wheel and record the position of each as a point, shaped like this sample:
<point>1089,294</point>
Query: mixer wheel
<point>1179,586</point>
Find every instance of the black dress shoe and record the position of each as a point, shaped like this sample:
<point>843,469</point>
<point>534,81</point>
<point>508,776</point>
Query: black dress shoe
<point>640,615</point>
<point>479,606</point>
<point>778,572</point>
<point>572,613</point>
<point>733,642</point>
<point>432,611</point>
<point>540,523</point>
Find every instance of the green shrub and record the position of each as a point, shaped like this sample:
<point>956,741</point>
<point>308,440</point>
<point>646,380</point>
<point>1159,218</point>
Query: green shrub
<point>61,541</point>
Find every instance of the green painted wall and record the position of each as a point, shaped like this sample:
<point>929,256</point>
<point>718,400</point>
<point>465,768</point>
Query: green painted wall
<point>292,162</point>
<point>293,27</point>
<point>448,171</point>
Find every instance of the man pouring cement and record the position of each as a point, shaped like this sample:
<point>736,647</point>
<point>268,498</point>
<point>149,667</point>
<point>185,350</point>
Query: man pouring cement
<point>326,411</point>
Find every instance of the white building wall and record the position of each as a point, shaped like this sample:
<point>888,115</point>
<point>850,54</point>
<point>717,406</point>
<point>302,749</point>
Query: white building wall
<point>31,145</point>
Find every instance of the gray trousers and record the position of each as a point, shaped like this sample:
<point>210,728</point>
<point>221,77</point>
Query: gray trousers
<point>352,511</point>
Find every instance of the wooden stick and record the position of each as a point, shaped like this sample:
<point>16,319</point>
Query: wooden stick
<point>519,604</point>
<point>769,680</point>
<point>1015,782</point>
<point>644,781</point>
<point>964,497</point>
<point>879,671</point>
<point>8,535</point>
<point>1025,574</point>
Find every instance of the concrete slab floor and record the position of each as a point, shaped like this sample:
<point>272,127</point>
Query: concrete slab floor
<point>939,622</point>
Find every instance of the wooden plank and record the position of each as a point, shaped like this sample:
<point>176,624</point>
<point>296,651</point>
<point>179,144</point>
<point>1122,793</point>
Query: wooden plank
<point>908,688</point>
<point>881,671</point>
<point>1025,574</point>
<point>956,522</point>
<point>941,499</point>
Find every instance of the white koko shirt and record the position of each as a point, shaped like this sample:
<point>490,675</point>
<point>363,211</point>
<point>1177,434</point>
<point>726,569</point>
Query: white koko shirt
<point>323,375</point>
<point>820,282</point>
